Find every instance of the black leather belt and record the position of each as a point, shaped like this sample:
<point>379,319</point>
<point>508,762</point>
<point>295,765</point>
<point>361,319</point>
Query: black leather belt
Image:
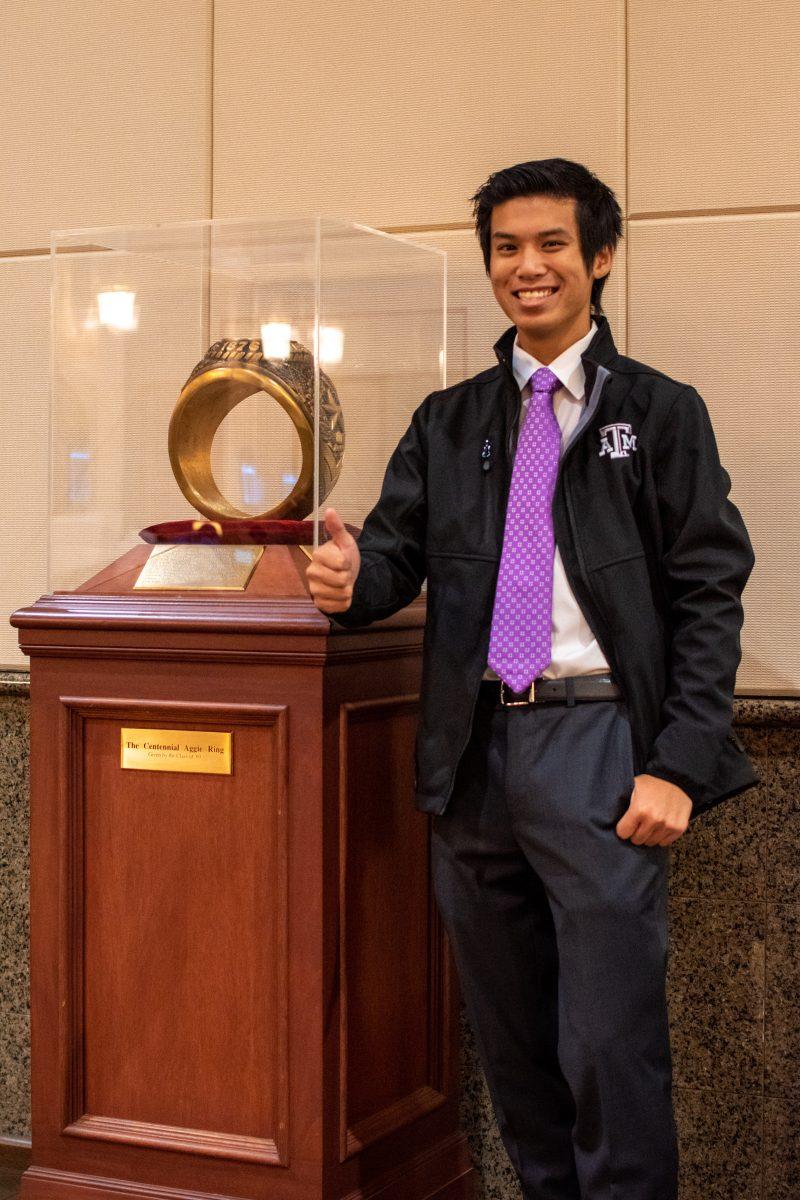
<point>574,689</point>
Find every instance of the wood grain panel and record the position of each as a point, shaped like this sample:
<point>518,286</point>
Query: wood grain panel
<point>177,903</point>
<point>393,1010</point>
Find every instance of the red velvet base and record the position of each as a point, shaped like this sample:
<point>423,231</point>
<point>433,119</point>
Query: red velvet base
<point>239,533</point>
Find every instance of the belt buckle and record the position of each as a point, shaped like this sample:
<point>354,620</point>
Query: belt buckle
<point>516,703</point>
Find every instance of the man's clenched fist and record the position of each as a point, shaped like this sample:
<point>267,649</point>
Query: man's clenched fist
<point>334,567</point>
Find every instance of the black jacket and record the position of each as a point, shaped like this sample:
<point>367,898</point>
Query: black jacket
<point>656,554</point>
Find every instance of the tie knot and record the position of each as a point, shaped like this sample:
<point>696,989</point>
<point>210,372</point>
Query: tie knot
<point>544,380</point>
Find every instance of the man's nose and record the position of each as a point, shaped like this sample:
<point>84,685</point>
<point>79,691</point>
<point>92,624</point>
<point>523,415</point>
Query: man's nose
<point>531,262</point>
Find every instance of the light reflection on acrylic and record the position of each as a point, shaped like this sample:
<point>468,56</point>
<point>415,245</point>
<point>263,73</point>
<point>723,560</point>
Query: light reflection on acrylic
<point>116,310</point>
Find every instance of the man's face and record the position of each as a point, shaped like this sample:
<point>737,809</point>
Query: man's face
<point>537,272</point>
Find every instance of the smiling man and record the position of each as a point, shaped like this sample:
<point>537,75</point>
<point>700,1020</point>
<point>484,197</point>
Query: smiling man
<point>585,569</point>
<point>538,273</point>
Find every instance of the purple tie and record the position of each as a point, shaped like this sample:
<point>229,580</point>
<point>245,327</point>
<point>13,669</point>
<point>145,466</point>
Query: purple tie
<point>520,646</point>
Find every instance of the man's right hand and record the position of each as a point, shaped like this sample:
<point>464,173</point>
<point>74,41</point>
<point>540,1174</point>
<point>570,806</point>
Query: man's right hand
<point>334,567</point>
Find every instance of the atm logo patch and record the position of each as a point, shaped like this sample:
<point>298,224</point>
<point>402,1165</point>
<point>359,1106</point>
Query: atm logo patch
<point>617,440</point>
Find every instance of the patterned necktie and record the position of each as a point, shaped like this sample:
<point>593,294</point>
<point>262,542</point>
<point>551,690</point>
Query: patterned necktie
<point>520,646</point>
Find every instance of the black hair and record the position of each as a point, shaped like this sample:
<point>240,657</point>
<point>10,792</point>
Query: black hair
<point>598,214</point>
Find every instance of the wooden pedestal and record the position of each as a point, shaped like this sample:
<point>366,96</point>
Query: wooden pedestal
<point>239,983</point>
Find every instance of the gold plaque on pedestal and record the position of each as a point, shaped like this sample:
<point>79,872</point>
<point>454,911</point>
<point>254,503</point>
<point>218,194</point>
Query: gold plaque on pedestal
<point>195,751</point>
<point>198,568</point>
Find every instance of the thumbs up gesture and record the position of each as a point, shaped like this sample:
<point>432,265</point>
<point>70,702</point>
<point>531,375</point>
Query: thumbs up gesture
<point>334,567</point>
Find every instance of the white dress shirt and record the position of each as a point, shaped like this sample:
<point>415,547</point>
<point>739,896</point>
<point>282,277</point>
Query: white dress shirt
<point>574,648</point>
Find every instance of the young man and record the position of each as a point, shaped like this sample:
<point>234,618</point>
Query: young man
<point>585,569</point>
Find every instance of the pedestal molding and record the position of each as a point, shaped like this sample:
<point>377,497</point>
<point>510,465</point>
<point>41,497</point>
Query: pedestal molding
<point>169,1137</point>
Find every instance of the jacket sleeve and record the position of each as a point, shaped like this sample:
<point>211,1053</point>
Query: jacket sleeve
<point>706,561</point>
<point>392,541</point>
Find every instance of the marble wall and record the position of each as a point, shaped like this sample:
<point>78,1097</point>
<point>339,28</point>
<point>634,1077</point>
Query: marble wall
<point>14,1026</point>
<point>734,973</point>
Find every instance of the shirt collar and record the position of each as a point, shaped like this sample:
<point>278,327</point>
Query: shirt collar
<point>568,366</point>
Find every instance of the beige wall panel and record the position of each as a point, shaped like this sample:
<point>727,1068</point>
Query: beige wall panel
<point>24,406</point>
<point>106,115</point>
<point>713,105</point>
<point>393,114</point>
<point>714,302</point>
<point>474,319</point>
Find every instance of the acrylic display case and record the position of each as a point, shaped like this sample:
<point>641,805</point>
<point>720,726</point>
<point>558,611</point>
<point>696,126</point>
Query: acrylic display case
<point>323,337</point>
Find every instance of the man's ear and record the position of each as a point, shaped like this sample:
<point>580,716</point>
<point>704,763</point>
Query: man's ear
<point>603,262</point>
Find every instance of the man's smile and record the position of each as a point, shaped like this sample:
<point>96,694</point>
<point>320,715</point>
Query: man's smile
<point>533,297</point>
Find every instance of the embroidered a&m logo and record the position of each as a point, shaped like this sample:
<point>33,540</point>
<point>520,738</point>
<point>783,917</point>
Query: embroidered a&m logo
<point>617,440</point>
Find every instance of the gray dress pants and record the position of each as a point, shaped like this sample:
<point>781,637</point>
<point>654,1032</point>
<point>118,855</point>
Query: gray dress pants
<point>559,929</point>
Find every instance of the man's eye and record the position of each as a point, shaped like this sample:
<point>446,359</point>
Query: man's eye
<point>554,243</point>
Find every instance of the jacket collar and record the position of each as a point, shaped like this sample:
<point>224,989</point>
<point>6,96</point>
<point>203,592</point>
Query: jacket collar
<point>601,350</point>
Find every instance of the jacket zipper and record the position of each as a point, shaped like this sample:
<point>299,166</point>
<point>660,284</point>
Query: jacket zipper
<point>610,659</point>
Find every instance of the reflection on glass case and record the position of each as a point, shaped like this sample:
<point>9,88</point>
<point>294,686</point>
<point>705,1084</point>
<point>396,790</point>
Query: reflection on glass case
<point>219,383</point>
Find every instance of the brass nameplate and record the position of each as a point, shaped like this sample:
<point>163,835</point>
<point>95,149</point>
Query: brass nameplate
<point>199,568</point>
<point>195,751</point>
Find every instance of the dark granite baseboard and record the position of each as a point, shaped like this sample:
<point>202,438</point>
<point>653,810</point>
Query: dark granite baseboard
<point>733,986</point>
<point>14,1019</point>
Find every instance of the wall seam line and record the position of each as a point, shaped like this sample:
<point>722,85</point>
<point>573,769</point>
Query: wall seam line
<point>665,215</point>
<point>212,61</point>
<point>691,214</point>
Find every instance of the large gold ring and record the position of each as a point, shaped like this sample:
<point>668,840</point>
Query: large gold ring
<point>229,372</point>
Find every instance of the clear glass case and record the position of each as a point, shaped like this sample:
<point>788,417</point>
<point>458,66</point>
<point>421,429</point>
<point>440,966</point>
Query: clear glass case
<point>310,343</point>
